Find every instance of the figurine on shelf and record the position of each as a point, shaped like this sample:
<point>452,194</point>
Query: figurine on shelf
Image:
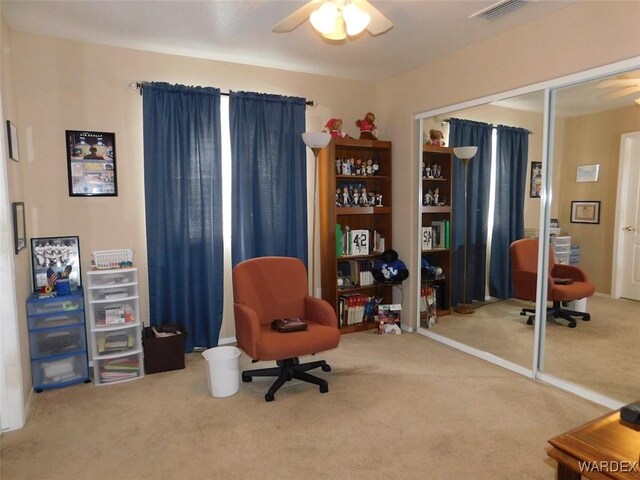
<point>346,167</point>
<point>338,165</point>
<point>359,167</point>
<point>364,197</point>
<point>376,166</point>
<point>367,126</point>
<point>379,200</point>
<point>334,128</point>
<point>436,137</point>
<point>436,197</point>
<point>428,198</point>
<point>346,198</point>
<point>338,198</point>
<point>369,167</point>
<point>356,196</point>
<point>428,172</point>
<point>437,171</point>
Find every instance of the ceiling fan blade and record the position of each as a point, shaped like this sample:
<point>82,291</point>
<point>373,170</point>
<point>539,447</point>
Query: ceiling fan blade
<point>379,23</point>
<point>620,93</point>
<point>618,82</point>
<point>296,18</point>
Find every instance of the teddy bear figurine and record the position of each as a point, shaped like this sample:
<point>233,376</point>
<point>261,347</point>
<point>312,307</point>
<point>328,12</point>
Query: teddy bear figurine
<point>367,126</point>
<point>334,128</point>
<point>436,137</point>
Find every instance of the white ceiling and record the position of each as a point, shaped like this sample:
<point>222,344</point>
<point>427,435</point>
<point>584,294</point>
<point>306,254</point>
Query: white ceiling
<point>240,31</point>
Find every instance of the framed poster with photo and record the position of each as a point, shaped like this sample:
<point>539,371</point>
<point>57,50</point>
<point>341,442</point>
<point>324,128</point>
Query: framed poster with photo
<point>91,164</point>
<point>55,255</point>
<point>535,182</point>
<point>585,212</point>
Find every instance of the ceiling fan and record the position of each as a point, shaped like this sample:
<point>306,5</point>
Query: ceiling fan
<point>623,86</point>
<point>337,19</point>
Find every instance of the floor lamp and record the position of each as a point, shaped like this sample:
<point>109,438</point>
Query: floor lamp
<point>465,154</point>
<point>316,141</point>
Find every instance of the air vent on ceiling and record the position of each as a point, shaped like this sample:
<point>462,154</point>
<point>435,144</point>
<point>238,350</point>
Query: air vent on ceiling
<point>499,9</point>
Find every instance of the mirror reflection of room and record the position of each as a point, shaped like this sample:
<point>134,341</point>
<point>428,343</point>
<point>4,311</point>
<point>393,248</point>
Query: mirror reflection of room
<point>596,196</point>
<point>595,158</point>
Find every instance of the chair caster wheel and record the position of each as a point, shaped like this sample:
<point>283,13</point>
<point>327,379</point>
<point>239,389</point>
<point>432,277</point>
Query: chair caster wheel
<point>246,379</point>
<point>587,317</point>
<point>269,397</point>
<point>572,325</point>
<point>324,388</point>
<point>530,321</point>
<point>326,368</point>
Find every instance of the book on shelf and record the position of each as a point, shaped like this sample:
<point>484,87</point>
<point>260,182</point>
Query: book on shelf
<point>437,228</point>
<point>447,234</point>
<point>356,308</point>
<point>428,305</point>
<point>357,241</point>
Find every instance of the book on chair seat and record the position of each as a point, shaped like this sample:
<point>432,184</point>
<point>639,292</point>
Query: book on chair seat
<point>293,324</point>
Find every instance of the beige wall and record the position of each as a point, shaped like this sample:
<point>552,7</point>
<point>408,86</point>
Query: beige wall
<point>51,85</point>
<point>16,181</point>
<point>579,37</point>
<point>594,139</point>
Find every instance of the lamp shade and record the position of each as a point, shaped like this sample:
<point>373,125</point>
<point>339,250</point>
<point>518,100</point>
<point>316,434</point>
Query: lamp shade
<point>465,153</point>
<point>316,139</point>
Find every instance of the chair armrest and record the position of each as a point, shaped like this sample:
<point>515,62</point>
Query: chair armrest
<point>568,271</point>
<point>247,328</point>
<point>319,311</point>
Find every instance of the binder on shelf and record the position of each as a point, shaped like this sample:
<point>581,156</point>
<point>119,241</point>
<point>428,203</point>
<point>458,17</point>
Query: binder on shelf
<point>338,240</point>
<point>438,232</point>
<point>447,234</point>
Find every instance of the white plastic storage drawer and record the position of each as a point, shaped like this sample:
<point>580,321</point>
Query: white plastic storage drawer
<point>113,278</point>
<point>106,294</point>
<point>564,241</point>
<point>116,341</point>
<point>117,369</point>
<point>563,258</point>
<point>57,341</point>
<point>58,370</point>
<point>113,314</point>
<point>562,249</point>
<point>63,304</point>
<point>58,319</point>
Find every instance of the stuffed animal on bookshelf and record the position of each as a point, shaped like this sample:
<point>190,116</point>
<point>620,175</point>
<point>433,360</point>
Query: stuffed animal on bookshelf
<point>436,137</point>
<point>389,269</point>
<point>334,128</point>
<point>367,126</point>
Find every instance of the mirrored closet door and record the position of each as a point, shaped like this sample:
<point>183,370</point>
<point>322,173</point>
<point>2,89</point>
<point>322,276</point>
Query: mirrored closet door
<point>596,191</point>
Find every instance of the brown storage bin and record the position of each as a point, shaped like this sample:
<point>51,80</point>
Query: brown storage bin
<point>162,354</point>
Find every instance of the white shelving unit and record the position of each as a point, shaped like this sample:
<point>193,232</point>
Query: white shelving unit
<point>115,325</point>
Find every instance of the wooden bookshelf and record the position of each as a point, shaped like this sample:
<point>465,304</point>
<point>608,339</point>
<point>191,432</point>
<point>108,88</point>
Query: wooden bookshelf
<point>376,217</point>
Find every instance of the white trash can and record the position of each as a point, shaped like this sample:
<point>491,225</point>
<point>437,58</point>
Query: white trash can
<point>223,370</point>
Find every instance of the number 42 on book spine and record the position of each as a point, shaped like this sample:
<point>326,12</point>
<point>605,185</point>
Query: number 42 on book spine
<point>359,242</point>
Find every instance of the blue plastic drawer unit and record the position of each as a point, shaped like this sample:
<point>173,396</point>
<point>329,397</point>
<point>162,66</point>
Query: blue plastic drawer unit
<point>57,340</point>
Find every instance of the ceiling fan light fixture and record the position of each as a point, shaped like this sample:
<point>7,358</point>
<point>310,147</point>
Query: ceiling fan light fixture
<point>355,19</point>
<point>325,18</point>
<point>337,32</point>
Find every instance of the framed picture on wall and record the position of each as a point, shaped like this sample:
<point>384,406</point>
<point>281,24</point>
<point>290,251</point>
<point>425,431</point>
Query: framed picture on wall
<point>535,182</point>
<point>19,227</point>
<point>55,255</point>
<point>585,211</point>
<point>12,140</point>
<point>91,164</point>
<point>587,173</point>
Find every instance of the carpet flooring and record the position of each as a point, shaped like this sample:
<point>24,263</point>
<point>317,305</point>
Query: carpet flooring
<point>398,406</point>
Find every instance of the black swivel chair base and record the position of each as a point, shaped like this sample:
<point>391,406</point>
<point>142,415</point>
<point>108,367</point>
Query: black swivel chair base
<point>288,370</point>
<point>557,312</point>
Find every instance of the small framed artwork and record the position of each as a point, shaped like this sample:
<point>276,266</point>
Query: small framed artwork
<point>55,256</point>
<point>587,173</point>
<point>535,185</point>
<point>585,212</point>
<point>12,139</point>
<point>91,164</point>
<point>19,226</point>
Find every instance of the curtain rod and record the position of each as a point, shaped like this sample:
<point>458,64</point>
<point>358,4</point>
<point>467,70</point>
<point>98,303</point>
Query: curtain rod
<point>140,85</point>
<point>446,120</point>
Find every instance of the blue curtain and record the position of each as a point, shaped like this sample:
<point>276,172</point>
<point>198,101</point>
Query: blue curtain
<point>183,195</point>
<point>508,224</point>
<point>469,133</point>
<point>269,207</point>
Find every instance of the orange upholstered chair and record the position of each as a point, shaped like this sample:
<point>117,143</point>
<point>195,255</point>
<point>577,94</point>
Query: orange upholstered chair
<point>268,288</point>
<point>564,284</point>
